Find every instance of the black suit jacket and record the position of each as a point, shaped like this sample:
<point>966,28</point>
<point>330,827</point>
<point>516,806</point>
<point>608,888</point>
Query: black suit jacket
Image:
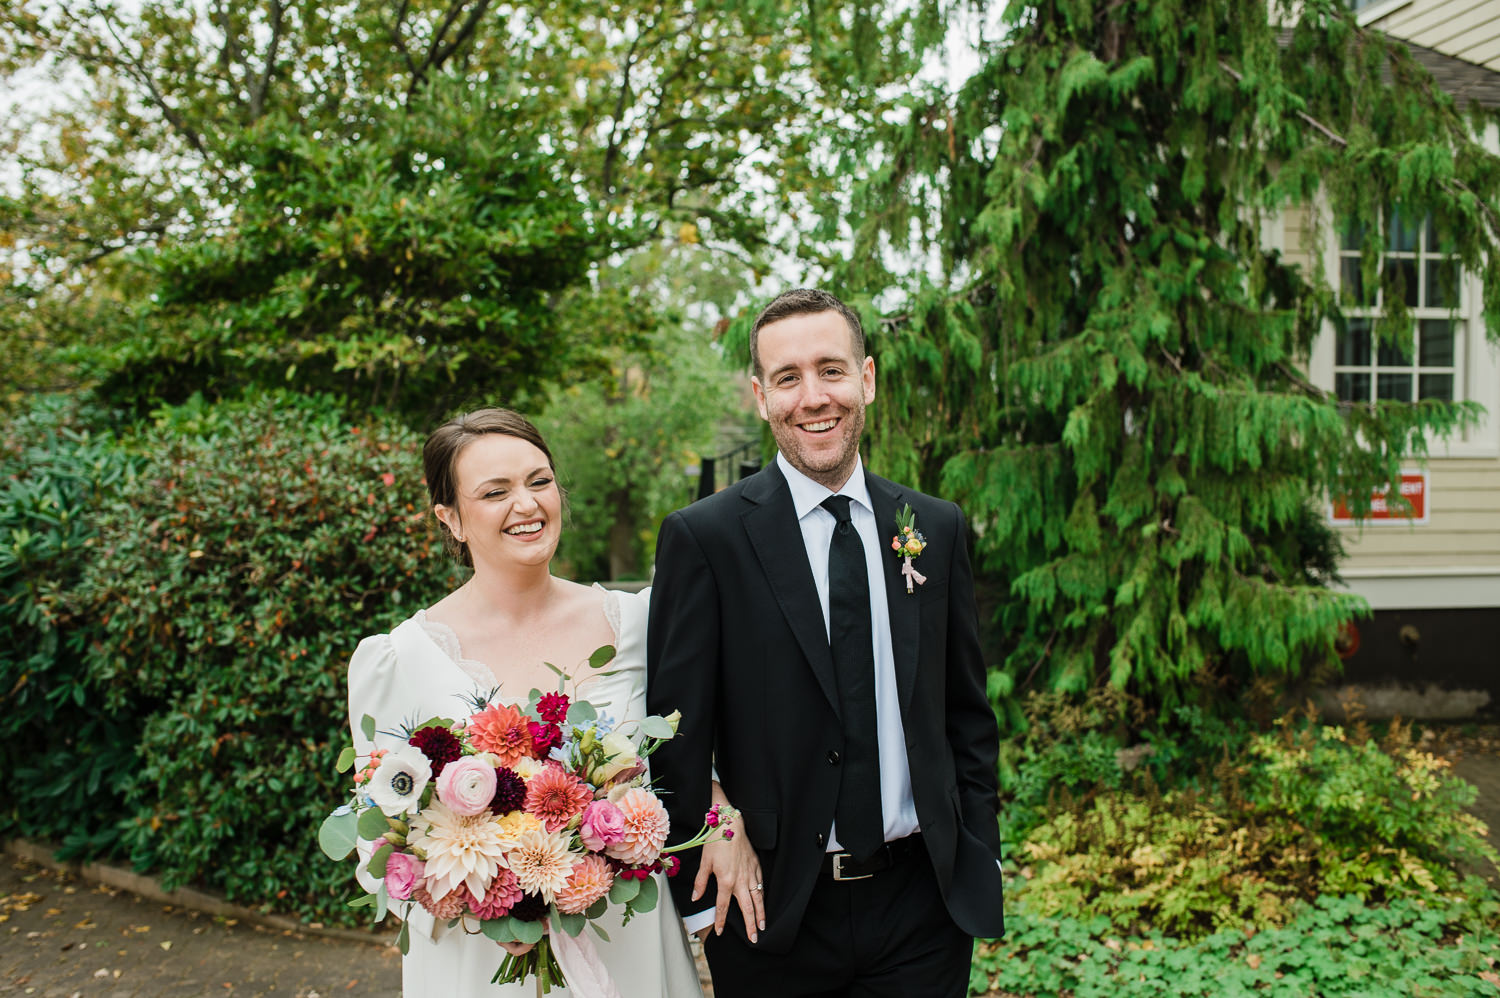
<point>738,644</point>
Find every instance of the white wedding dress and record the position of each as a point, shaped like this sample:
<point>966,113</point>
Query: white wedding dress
<point>418,672</point>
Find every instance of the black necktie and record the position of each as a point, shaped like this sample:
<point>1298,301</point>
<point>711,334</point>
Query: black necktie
<point>861,830</point>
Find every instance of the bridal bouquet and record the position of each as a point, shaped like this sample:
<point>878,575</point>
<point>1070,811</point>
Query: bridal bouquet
<point>514,822</point>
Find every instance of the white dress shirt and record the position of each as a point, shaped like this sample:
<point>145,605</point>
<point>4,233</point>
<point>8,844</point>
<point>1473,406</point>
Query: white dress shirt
<point>897,809</point>
<point>896,805</point>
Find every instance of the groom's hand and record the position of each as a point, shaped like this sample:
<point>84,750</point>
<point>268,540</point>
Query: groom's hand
<point>736,870</point>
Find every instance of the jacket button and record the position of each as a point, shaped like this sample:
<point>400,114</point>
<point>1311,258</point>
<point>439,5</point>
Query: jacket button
<point>822,839</point>
<point>833,757</point>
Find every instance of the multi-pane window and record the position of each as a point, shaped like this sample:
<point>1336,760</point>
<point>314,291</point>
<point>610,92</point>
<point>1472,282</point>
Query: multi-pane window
<point>1426,276</point>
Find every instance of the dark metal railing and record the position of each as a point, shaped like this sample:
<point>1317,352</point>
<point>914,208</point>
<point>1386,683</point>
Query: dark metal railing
<point>735,464</point>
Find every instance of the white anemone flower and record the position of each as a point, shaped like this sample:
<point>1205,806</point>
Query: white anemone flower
<point>396,788</point>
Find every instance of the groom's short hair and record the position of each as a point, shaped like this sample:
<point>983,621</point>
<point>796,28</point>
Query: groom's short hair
<point>804,301</point>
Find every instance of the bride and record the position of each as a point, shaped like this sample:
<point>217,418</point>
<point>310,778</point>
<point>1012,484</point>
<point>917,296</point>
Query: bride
<point>494,491</point>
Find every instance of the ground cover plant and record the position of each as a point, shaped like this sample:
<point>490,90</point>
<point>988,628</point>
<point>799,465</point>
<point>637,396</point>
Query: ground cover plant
<point>1334,947</point>
<point>1297,858</point>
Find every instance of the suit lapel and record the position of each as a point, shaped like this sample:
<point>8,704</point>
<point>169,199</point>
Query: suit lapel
<point>771,524</point>
<point>886,498</point>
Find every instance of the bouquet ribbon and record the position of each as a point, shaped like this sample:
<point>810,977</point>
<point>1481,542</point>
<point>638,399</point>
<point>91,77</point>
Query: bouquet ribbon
<point>580,963</point>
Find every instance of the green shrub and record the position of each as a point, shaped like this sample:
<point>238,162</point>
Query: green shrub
<point>58,749</point>
<point>1295,814</point>
<point>231,579</point>
<point>1332,948</point>
<point>1386,817</point>
<point>1176,863</point>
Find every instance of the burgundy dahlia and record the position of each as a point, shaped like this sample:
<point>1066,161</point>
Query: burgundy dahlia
<point>531,908</point>
<point>439,745</point>
<point>510,791</point>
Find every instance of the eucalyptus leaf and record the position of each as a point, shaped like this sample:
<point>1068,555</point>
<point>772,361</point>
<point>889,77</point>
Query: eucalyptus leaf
<point>363,901</point>
<point>646,899</point>
<point>581,712</point>
<point>337,834</point>
<point>403,938</point>
<point>571,924</point>
<point>372,823</point>
<point>498,929</point>
<point>602,656</point>
<point>526,932</point>
<point>656,727</point>
<point>599,930</point>
<point>623,890</point>
<point>598,908</point>
<point>382,901</point>
<point>346,760</point>
<point>367,725</point>
<point>378,860</point>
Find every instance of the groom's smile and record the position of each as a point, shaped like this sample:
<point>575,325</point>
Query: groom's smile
<point>814,392</point>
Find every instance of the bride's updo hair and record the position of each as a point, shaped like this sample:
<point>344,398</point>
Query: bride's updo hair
<point>447,442</point>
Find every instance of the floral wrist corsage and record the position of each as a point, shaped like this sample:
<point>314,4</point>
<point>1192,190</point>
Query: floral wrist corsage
<point>908,543</point>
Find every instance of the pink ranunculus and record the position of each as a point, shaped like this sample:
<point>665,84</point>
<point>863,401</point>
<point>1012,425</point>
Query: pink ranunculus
<point>603,825</point>
<point>402,873</point>
<point>467,786</point>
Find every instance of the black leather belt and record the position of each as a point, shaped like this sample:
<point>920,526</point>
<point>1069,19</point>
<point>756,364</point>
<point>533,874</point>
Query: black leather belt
<point>843,866</point>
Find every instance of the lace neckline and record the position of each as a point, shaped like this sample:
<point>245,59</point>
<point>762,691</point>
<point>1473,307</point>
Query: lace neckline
<point>447,639</point>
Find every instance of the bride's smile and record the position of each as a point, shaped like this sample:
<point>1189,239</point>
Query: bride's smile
<point>509,507</point>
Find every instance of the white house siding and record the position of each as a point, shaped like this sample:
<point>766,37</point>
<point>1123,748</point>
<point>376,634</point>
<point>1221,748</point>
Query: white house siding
<point>1452,560</point>
<point>1465,29</point>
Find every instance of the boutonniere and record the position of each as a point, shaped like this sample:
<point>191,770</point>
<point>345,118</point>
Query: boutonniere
<point>908,543</point>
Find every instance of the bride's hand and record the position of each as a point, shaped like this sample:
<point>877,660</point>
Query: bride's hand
<point>736,869</point>
<point>517,949</point>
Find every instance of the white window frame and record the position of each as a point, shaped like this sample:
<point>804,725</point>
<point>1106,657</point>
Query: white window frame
<point>1476,362</point>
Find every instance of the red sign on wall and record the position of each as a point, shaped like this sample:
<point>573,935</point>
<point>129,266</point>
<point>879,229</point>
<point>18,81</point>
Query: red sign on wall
<point>1384,509</point>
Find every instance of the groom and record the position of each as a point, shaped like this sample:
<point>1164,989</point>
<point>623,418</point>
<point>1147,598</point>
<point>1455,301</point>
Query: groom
<point>840,701</point>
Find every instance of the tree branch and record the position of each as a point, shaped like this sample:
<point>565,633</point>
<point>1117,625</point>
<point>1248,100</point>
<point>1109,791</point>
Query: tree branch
<point>398,40</point>
<point>437,52</point>
<point>142,74</point>
<point>258,91</point>
<point>616,127</point>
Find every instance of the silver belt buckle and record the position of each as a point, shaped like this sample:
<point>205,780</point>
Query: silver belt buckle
<point>838,869</point>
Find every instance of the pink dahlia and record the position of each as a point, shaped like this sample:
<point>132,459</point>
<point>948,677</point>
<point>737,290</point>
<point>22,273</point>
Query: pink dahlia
<point>590,880</point>
<point>503,731</point>
<point>646,828</point>
<point>450,905</point>
<point>556,797</point>
<point>503,894</point>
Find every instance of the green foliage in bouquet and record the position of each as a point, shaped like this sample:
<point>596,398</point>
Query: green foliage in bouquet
<point>58,462</point>
<point>230,580</point>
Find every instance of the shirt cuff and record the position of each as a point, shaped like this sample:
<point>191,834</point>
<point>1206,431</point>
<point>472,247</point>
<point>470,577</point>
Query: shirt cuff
<point>698,920</point>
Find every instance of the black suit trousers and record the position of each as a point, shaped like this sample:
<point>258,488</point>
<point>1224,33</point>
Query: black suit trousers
<point>887,936</point>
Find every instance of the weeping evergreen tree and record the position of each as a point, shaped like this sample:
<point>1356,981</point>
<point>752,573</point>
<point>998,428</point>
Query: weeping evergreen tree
<point>1106,364</point>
